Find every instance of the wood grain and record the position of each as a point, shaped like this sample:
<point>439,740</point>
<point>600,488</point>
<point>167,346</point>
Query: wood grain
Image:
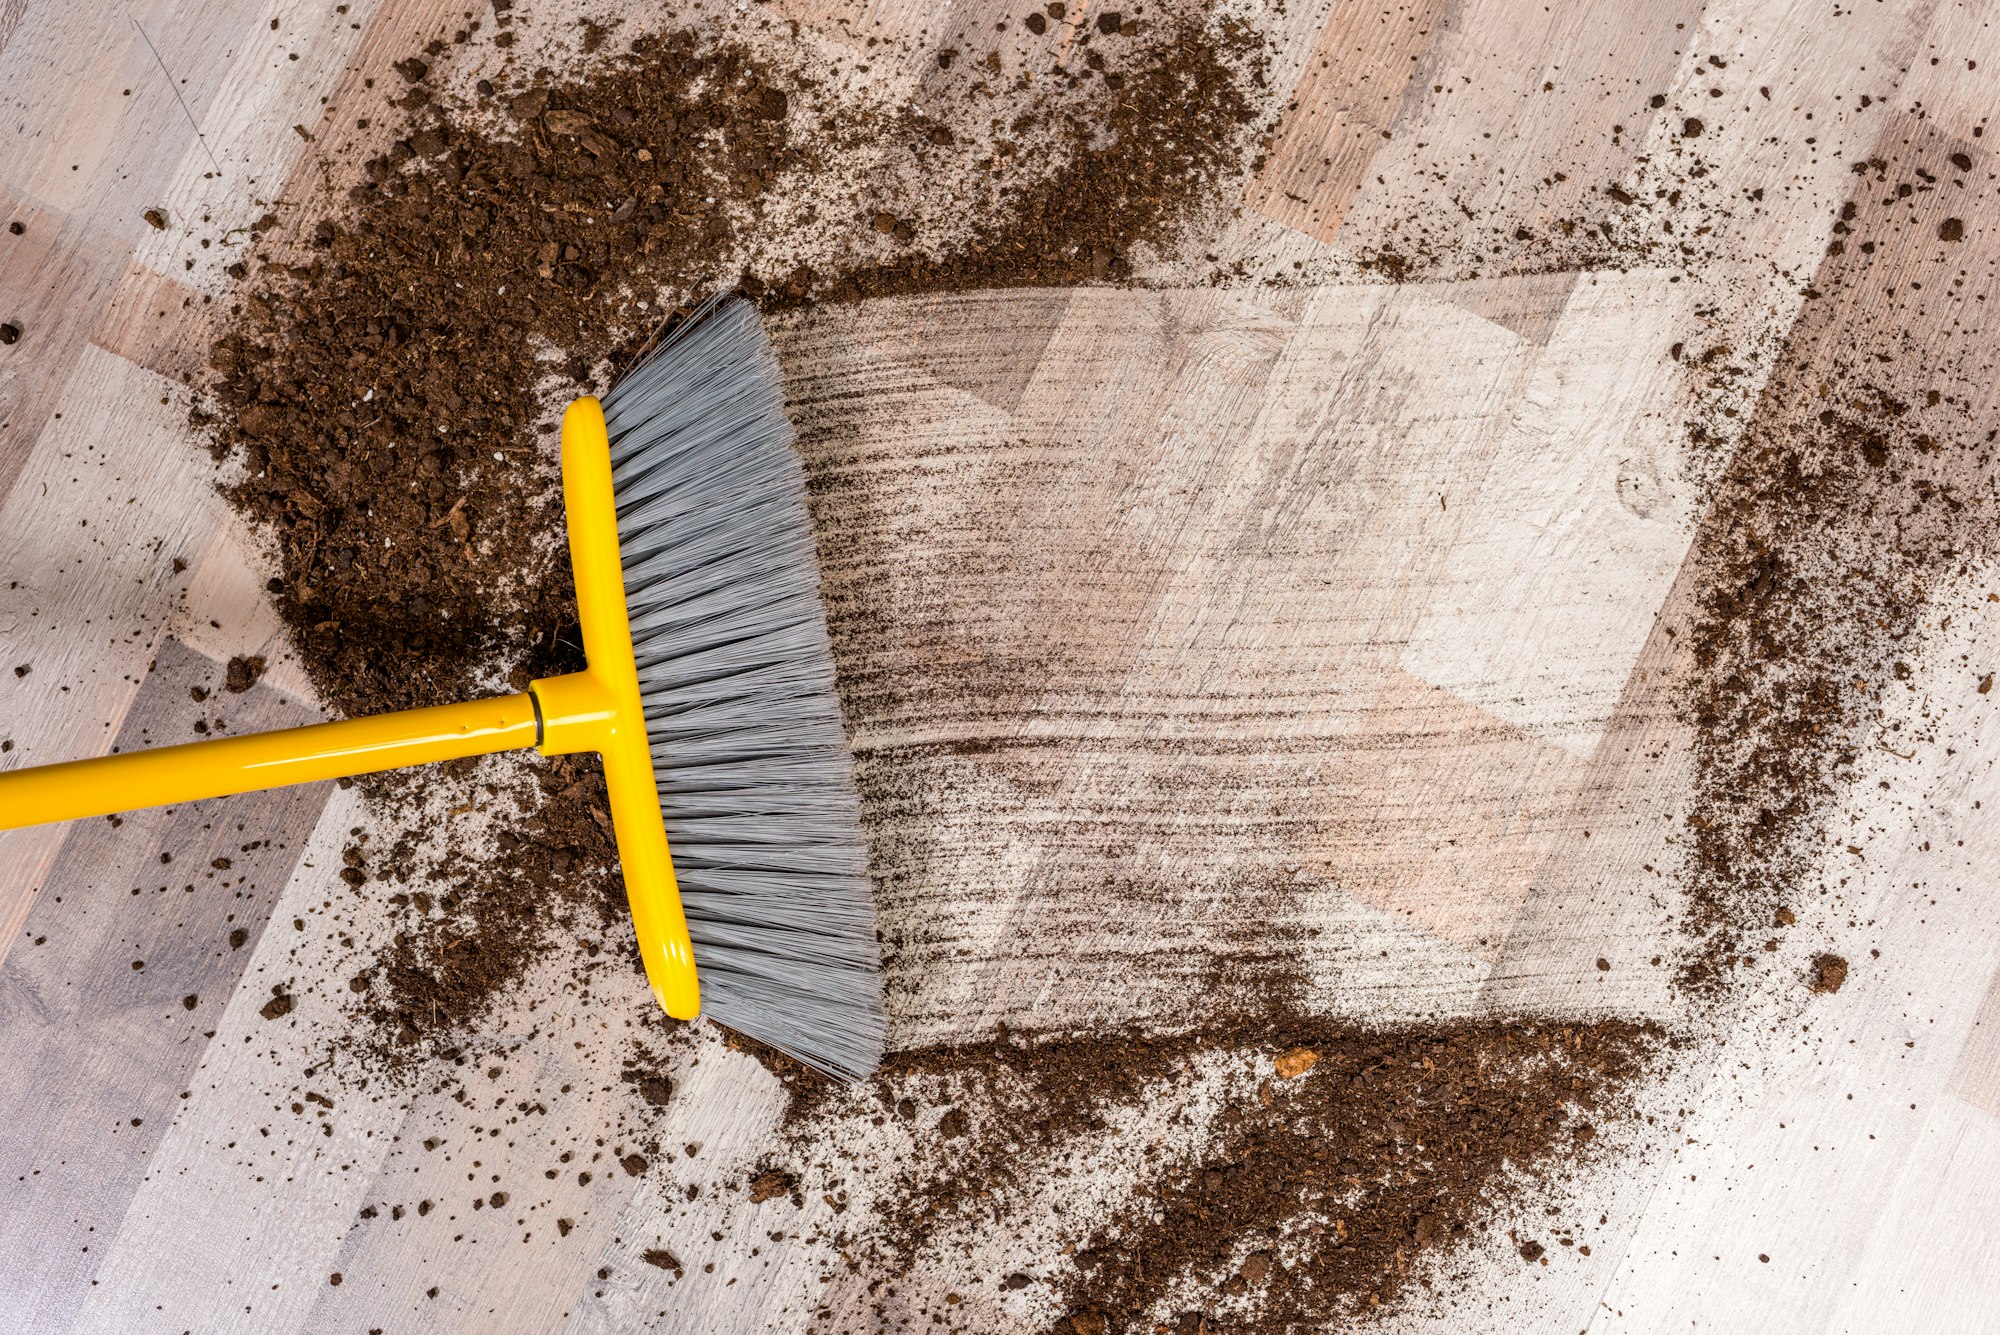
<point>1352,91</point>
<point>58,276</point>
<point>1514,121</point>
<point>1976,1076</point>
<point>1177,578</point>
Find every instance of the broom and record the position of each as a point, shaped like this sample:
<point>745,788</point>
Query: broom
<point>709,693</point>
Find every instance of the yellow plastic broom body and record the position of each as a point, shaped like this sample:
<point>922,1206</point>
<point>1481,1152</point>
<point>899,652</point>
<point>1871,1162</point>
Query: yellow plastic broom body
<point>597,709</point>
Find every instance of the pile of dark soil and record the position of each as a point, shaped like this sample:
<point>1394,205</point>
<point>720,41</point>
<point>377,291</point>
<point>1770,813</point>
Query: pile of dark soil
<point>1349,1159</point>
<point>383,394</point>
<point>1368,1152</point>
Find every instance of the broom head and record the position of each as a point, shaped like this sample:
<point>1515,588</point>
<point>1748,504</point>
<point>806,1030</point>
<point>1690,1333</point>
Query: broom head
<point>698,593</point>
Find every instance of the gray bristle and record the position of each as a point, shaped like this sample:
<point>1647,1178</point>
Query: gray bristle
<point>736,670</point>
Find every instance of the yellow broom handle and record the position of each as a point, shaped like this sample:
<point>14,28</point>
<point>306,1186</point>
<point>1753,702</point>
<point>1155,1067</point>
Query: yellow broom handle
<point>228,765</point>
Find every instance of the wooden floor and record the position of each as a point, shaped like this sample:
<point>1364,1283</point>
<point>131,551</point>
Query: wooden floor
<point>1394,567</point>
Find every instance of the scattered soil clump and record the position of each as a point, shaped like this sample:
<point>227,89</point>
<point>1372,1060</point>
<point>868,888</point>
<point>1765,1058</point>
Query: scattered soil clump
<point>1829,973</point>
<point>243,672</point>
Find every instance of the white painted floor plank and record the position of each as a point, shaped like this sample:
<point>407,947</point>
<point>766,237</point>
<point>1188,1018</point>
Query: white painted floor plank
<point>88,539</point>
<point>245,1203</point>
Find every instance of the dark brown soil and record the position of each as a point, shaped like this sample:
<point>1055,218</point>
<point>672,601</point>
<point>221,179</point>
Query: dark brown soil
<point>1829,973</point>
<point>244,671</point>
<point>1864,483</point>
<point>1313,1196</point>
<point>1133,161</point>
<point>455,953</point>
<point>1327,1190</point>
<point>381,390</point>
<point>1323,1192</point>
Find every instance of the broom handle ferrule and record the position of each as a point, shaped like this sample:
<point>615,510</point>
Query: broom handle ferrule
<point>188,773</point>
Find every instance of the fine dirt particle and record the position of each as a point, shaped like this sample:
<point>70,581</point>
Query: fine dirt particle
<point>771,1183</point>
<point>244,671</point>
<point>661,1257</point>
<point>1296,1063</point>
